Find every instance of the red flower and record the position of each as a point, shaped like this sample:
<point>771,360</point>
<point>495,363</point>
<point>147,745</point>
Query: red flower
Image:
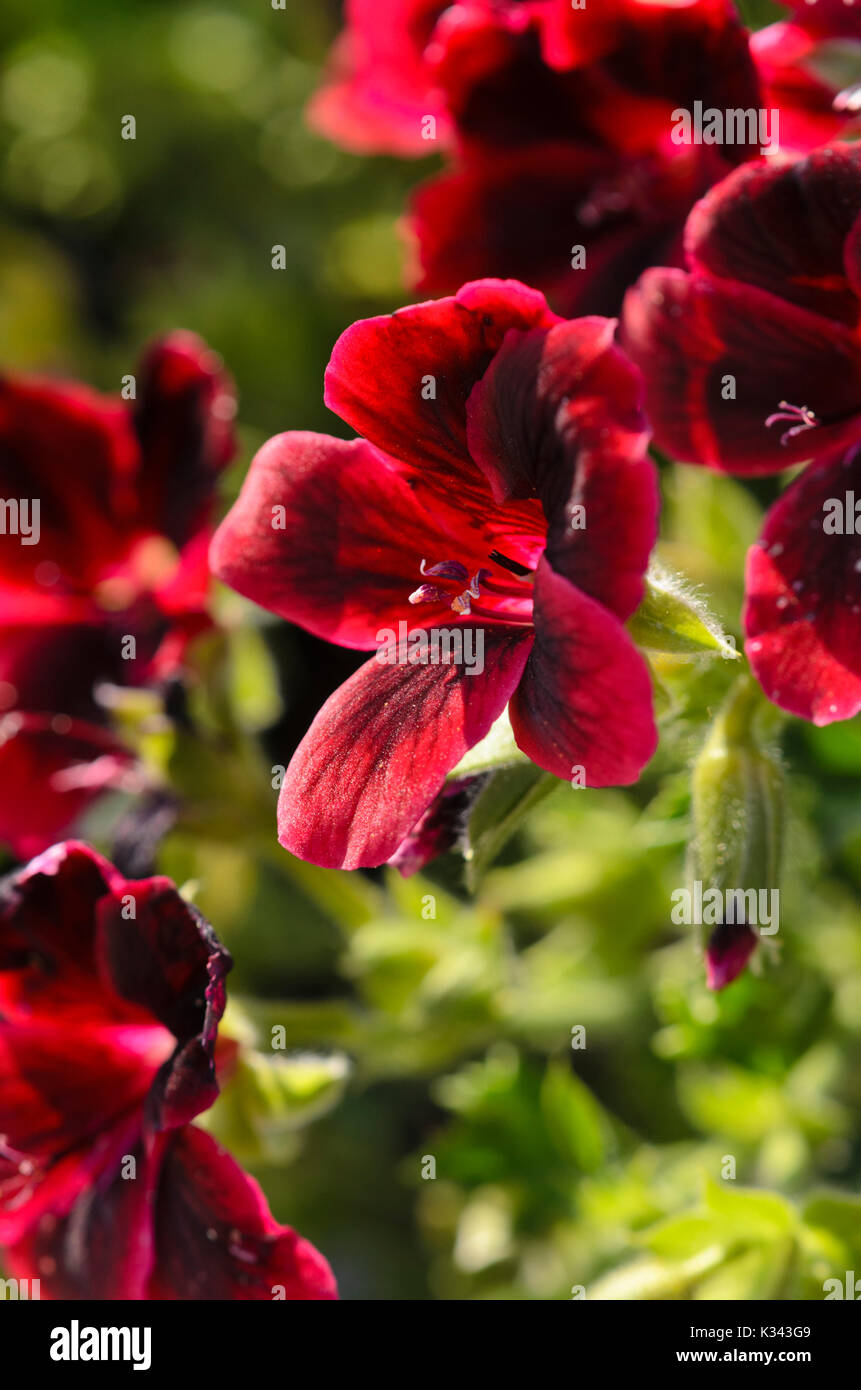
<point>810,67</point>
<point>378,88</point>
<point>493,429</point>
<point>104,527</point>
<point>111,993</point>
<point>560,122</point>
<point>752,361</point>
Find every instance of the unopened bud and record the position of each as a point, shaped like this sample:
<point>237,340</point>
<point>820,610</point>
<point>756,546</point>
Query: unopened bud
<point>738,806</point>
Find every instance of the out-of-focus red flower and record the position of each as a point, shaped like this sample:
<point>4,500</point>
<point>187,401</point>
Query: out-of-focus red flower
<point>105,510</point>
<point>559,123</point>
<point>810,67</point>
<point>752,360</point>
<point>111,992</point>
<point>493,429</point>
<point>379,89</point>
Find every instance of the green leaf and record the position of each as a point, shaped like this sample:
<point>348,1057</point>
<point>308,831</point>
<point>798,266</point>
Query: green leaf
<point>574,1119</point>
<point>839,1214</point>
<point>502,805</point>
<point>751,1214</point>
<point>672,619</point>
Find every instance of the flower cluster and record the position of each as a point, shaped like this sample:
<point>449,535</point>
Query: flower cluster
<point>569,164</point>
<point>484,538</point>
<point>109,582</point>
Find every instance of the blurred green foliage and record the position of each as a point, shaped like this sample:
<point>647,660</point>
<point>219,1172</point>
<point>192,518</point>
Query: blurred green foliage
<point>515,1092</point>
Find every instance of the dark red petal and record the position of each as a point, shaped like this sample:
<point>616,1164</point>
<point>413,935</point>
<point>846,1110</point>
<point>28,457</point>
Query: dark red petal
<point>585,700</point>
<point>558,414</point>
<point>100,1244</point>
<point>803,609</point>
<point>442,825</point>
<point>688,334</point>
<point>523,212</point>
<point>183,418</point>
<point>498,89</point>
<point>379,750</point>
<point>729,949</point>
<point>676,53</point>
<point>48,969</point>
<point>62,1089</point>
<point>217,1239</point>
<point>350,537</point>
<point>39,660</point>
<point>784,228</point>
<point>167,961</point>
<point>827,18</point>
<point>378,88</point>
<point>379,366</point>
<point>52,769</point>
<point>86,505</point>
<point>803,78</point>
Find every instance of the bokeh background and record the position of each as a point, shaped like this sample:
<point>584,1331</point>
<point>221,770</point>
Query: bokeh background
<point>410,1037</point>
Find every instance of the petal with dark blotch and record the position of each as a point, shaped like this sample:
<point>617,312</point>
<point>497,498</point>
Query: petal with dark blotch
<point>381,747</point>
<point>783,228</point>
<point>583,709</point>
<point>163,957</point>
<point>558,415</point>
<point>720,358</point>
<point>184,421</point>
<point>328,534</point>
<point>215,1237</point>
<point>402,380</point>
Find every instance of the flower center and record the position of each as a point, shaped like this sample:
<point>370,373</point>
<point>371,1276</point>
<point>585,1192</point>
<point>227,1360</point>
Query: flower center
<point>460,603</point>
<point>506,598</point>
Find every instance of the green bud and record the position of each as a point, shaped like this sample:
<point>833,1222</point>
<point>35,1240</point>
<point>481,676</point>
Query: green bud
<point>738,805</point>
<point>673,619</point>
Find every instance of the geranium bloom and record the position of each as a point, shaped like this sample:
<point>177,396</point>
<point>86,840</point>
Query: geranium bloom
<point>104,528</point>
<point>111,992</point>
<point>752,361</point>
<point>502,494</point>
<point>561,126</point>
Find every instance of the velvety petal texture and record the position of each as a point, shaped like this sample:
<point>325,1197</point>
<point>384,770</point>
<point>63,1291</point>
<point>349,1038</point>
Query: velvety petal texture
<point>803,608</point>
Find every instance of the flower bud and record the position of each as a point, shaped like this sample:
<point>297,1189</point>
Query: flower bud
<point>738,808</point>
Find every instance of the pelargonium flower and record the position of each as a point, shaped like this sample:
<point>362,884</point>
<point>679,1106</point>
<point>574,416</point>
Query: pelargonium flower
<point>104,529</point>
<point>493,430</point>
<point>111,992</point>
<point>752,360</point>
<point>560,125</point>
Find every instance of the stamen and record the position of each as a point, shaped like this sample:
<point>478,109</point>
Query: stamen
<point>478,578</point>
<point>462,605</point>
<point>804,420</point>
<point>446,569</point>
<point>429,593</point>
